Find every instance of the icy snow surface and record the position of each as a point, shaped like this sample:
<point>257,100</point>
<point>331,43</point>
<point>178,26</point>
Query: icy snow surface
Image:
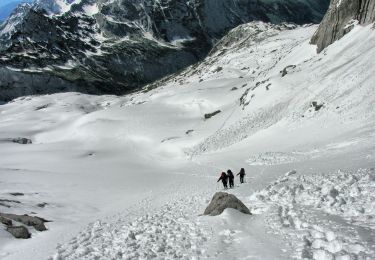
<point>128,177</point>
<point>91,9</point>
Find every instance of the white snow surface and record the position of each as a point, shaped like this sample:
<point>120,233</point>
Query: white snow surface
<point>57,7</point>
<point>91,9</point>
<point>129,177</point>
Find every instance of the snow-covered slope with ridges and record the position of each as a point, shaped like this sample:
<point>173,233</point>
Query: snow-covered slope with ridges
<point>126,177</point>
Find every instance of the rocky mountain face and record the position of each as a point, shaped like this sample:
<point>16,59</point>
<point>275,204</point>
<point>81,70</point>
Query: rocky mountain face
<point>97,46</point>
<point>340,19</point>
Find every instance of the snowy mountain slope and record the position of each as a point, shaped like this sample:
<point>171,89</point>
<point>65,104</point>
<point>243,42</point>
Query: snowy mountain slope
<point>87,45</point>
<point>126,177</point>
<point>267,98</point>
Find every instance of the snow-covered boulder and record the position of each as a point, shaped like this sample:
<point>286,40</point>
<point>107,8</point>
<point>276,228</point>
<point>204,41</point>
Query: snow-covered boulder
<point>222,201</point>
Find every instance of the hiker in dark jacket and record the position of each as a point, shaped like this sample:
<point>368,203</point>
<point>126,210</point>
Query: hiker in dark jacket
<point>224,179</point>
<point>231,178</point>
<point>242,175</point>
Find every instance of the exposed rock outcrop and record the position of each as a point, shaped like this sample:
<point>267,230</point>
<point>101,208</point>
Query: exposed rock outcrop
<point>340,19</point>
<point>209,115</point>
<point>19,232</point>
<point>15,83</point>
<point>17,193</point>
<point>5,221</point>
<point>317,106</point>
<point>22,140</point>
<point>286,70</point>
<point>36,222</point>
<point>222,201</point>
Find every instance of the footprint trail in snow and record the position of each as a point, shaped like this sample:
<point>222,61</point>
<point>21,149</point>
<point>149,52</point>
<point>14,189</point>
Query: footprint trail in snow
<point>324,216</point>
<point>172,231</point>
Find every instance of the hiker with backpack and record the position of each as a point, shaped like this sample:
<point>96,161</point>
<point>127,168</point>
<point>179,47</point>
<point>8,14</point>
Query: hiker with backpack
<point>224,179</point>
<point>242,175</point>
<point>231,178</point>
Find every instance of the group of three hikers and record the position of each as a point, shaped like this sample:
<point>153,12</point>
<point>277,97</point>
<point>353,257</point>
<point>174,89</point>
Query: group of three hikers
<point>224,177</point>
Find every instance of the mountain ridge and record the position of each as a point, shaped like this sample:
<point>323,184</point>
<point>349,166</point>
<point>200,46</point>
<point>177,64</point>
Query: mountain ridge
<point>117,47</point>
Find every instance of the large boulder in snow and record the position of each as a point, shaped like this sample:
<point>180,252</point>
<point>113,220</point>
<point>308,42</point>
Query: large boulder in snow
<point>36,222</point>
<point>19,232</point>
<point>222,201</point>
<point>5,221</point>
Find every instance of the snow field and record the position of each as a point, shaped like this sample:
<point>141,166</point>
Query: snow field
<point>330,216</point>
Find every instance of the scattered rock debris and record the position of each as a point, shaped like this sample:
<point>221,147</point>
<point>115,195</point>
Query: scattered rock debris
<point>316,105</point>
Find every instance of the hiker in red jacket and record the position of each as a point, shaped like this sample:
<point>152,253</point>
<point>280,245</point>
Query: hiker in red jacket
<point>224,179</point>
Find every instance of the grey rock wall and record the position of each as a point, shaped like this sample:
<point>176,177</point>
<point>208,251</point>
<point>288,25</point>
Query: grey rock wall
<point>340,19</point>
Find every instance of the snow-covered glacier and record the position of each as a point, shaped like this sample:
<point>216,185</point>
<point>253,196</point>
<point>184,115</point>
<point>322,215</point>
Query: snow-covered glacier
<point>128,177</point>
